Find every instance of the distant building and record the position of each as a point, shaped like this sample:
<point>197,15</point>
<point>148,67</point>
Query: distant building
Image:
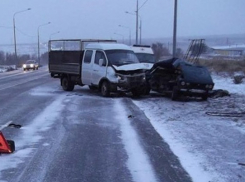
<point>232,51</point>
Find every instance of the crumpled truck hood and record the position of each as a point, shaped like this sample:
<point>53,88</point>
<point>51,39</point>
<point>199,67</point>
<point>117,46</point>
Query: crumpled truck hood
<point>135,66</point>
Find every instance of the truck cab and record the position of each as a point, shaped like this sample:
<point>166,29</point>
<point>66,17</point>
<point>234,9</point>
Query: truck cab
<point>144,53</point>
<point>103,65</point>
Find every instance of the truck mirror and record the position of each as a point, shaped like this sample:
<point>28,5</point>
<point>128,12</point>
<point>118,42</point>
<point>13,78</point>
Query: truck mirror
<point>101,62</point>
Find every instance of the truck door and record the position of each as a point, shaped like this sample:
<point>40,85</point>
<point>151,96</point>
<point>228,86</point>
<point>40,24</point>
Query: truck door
<point>87,66</point>
<point>98,70</point>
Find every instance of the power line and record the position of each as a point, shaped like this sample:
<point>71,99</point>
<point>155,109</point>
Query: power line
<point>24,33</point>
<point>142,5</point>
<point>6,27</point>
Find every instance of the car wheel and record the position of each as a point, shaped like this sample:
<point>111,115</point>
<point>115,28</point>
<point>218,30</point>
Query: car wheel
<point>105,89</point>
<point>147,89</point>
<point>67,85</point>
<point>175,93</point>
<point>205,97</point>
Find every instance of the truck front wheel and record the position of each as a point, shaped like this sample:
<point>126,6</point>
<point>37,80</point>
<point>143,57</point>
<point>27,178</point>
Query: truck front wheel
<point>67,85</point>
<point>136,92</point>
<point>105,89</point>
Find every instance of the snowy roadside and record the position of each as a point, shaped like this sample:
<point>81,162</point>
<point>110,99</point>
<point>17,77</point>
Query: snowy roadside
<point>209,147</point>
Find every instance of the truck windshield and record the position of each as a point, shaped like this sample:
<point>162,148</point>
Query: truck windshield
<point>146,58</point>
<point>121,57</point>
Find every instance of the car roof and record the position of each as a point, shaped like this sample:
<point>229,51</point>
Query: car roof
<point>142,49</point>
<point>108,46</point>
<point>30,61</point>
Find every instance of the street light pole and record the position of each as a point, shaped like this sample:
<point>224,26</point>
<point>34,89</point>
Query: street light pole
<point>175,28</point>
<point>140,29</point>
<point>38,44</point>
<point>137,17</point>
<point>129,32</point>
<point>15,48</point>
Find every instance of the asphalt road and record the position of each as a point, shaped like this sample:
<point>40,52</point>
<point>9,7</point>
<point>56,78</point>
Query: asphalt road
<point>83,141</point>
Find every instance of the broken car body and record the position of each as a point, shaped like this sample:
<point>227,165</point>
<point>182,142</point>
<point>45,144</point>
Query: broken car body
<point>178,77</point>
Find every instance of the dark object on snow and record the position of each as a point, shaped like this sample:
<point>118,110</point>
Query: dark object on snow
<point>241,164</point>
<point>238,79</point>
<point>226,114</point>
<point>14,125</point>
<point>178,77</point>
<point>219,93</point>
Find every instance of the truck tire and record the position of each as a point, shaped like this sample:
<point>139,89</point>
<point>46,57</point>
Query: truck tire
<point>105,89</point>
<point>175,93</point>
<point>67,85</point>
<point>137,92</point>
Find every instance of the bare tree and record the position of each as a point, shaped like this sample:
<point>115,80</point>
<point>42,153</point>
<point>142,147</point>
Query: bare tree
<point>159,50</point>
<point>2,57</point>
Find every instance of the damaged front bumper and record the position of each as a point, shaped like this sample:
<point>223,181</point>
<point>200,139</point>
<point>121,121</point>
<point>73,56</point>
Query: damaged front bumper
<point>129,82</point>
<point>195,89</point>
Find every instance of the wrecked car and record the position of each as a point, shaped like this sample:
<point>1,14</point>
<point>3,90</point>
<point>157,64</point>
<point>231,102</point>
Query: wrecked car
<point>177,77</point>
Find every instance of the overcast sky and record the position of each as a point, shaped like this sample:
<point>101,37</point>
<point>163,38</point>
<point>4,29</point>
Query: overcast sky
<point>100,18</point>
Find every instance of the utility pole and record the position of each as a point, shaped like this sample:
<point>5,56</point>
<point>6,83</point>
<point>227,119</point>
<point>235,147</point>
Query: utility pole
<point>175,28</point>
<point>137,17</point>
<point>15,45</point>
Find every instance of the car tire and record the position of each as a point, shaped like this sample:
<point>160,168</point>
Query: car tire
<point>67,85</point>
<point>205,97</point>
<point>147,89</point>
<point>175,93</point>
<point>105,89</point>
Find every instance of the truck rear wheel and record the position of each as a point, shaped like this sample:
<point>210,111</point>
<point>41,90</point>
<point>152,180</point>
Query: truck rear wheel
<point>105,89</point>
<point>67,85</point>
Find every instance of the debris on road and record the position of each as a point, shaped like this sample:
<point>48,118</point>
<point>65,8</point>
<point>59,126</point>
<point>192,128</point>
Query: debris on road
<point>226,114</point>
<point>238,79</point>
<point>14,125</point>
<point>218,93</point>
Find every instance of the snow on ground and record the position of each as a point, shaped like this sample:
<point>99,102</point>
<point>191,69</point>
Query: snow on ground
<point>209,147</point>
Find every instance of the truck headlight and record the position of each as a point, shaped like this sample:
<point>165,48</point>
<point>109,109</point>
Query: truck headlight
<point>24,66</point>
<point>120,77</point>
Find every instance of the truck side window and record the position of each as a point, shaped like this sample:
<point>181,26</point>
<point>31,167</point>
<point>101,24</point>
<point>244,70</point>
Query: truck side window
<point>88,56</point>
<point>99,55</point>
